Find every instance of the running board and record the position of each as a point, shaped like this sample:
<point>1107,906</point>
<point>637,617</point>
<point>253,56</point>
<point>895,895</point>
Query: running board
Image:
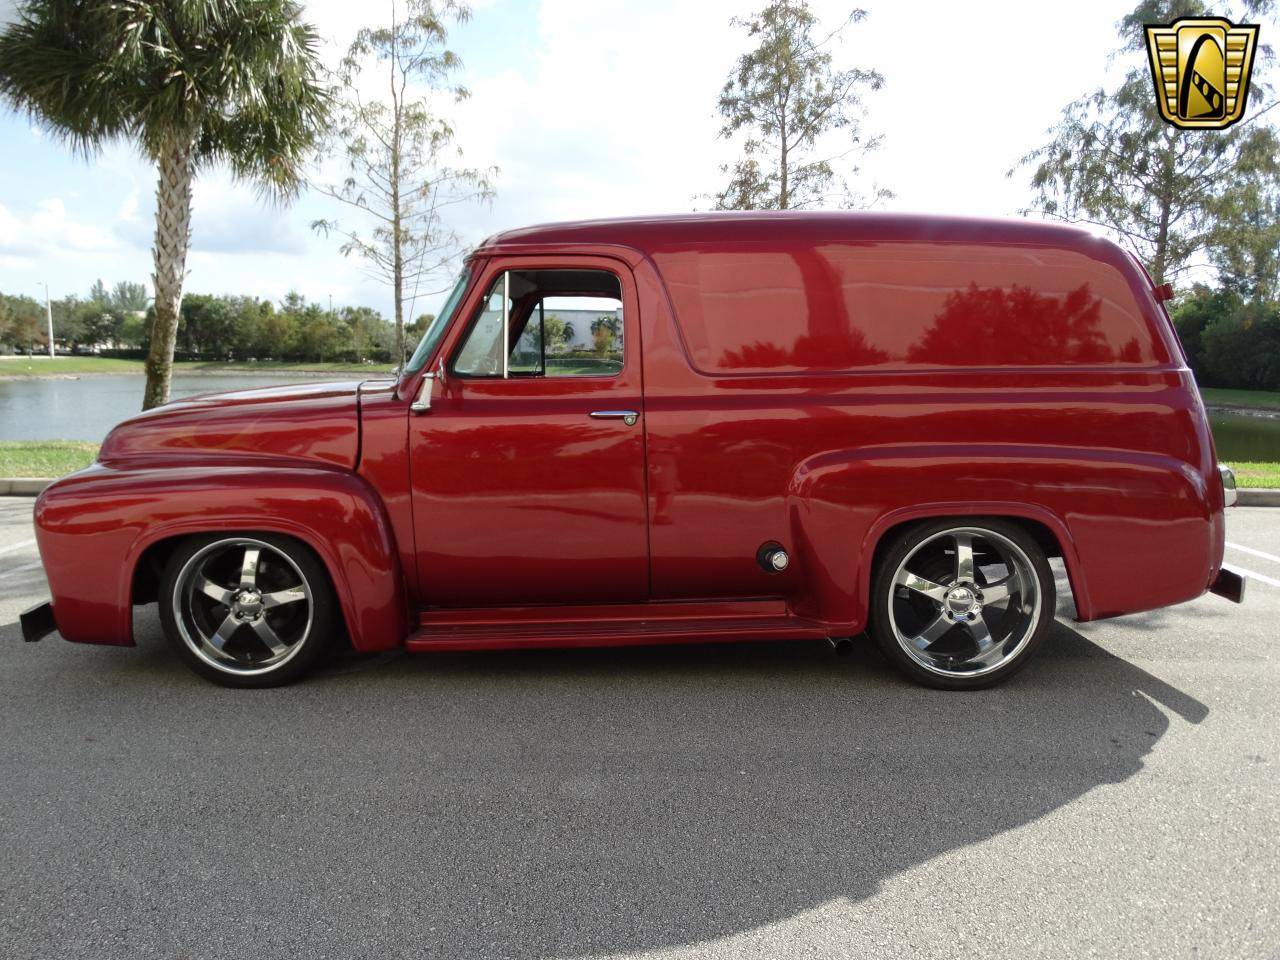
<point>618,625</point>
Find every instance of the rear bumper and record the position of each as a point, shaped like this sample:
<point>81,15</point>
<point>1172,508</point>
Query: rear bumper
<point>1229,584</point>
<point>1229,494</point>
<point>37,622</point>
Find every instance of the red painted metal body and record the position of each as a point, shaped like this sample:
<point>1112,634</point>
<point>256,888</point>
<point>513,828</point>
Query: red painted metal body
<point>810,380</point>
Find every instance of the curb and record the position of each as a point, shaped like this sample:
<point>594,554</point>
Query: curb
<point>1257,497</point>
<point>23,486</point>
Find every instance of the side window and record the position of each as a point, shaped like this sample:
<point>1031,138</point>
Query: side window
<point>571,337</point>
<point>557,323</point>
<point>848,306</point>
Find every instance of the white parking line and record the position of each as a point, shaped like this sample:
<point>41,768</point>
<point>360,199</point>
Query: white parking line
<point>1257,553</point>
<point>21,544</point>
<point>1254,575</point>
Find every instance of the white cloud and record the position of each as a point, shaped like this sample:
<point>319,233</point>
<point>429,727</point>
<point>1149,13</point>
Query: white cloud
<point>228,218</point>
<point>593,108</point>
<point>12,233</point>
<point>47,228</point>
<point>128,210</point>
<point>601,119</point>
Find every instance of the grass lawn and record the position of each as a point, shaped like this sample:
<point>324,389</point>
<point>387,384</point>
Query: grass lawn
<point>1257,474</point>
<point>62,366</point>
<point>57,366</point>
<point>271,366</point>
<point>44,458</point>
<point>1241,398</point>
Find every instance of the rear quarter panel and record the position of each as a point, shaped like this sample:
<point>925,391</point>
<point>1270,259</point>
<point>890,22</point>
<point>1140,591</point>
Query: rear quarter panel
<point>1109,448</point>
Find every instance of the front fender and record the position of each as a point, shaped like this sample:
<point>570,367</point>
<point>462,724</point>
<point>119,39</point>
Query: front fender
<point>1136,529</point>
<point>93,526</point>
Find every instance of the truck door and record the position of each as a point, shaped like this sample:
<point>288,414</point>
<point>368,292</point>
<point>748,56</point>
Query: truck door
<point>528,470</point>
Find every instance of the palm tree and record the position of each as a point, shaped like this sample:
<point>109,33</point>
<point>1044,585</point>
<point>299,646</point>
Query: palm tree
<point>191,83</point>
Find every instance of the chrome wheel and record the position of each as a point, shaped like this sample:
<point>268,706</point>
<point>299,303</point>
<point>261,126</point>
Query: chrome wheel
<point>964,602</point>
<point>242,606</point>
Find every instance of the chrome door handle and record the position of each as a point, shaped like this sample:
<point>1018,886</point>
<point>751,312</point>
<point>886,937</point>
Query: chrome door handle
<point>629,417</point>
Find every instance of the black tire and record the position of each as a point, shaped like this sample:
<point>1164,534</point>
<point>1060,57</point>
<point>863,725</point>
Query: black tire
<point>901,617</point>
<point>288,628</point>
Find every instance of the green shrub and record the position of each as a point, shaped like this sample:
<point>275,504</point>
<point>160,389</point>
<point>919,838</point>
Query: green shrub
<point>1229,343</point>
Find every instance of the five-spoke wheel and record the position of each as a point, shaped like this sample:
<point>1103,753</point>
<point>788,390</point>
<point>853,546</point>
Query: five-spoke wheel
<point>246,610</point>
<point>962,604</point>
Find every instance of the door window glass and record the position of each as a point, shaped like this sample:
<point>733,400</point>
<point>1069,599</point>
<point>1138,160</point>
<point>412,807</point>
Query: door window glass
<point>559,323</point>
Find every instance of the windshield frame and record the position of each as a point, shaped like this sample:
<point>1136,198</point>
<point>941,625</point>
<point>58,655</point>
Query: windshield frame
<point>434,336</point>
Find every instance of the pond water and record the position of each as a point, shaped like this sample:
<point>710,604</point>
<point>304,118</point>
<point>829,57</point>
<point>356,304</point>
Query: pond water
<point>88,408</point>
<point>1241,438</point>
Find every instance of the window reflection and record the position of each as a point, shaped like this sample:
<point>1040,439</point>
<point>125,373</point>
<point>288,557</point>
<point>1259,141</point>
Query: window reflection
<point>982,326</point>
<point>848,306</point>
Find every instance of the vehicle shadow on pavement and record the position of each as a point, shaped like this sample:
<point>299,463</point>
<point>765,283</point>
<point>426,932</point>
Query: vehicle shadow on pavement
<point>523,804</point>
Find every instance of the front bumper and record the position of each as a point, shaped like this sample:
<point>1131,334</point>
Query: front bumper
<point>37,622</point>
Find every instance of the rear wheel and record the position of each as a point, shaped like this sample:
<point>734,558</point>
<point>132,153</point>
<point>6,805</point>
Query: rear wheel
<point>960,605</point>
<point>247,610</point>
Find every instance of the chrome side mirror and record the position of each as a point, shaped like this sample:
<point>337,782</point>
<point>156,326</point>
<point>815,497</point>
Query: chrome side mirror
<point>423,403</point>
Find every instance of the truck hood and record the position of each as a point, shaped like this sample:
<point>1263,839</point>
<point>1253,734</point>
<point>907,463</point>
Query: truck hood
<point>311,421</point>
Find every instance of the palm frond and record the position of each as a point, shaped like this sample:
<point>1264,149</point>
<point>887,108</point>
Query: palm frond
<point>238,80</point>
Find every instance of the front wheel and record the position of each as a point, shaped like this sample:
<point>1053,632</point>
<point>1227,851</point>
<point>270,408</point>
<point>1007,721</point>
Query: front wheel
<point>247,610</point>
<point>962,605</point>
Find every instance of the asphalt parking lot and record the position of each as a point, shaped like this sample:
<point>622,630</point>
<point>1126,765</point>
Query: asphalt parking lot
<point>1119,798</point>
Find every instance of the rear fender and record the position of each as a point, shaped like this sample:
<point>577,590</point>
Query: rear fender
<point>1115,514</point>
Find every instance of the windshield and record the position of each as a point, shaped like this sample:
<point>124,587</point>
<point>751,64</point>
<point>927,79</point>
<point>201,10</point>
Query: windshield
<point>427,345</point>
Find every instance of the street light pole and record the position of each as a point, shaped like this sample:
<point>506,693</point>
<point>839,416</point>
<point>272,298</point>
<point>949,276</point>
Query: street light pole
<point>48,315</point>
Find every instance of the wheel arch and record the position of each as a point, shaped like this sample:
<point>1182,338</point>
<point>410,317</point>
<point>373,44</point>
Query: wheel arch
<point>150,553</point>
<point>1048,530</point>
<point>1103,509</point>
<point>148,567</point>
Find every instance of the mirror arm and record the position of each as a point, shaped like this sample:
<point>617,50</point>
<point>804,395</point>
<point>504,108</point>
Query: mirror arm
<point>423,403</point>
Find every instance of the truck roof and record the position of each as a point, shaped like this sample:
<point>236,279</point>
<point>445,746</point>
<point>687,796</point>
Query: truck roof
<point>791,226</point>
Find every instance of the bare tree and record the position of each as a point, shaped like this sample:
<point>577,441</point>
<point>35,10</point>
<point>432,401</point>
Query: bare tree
<point>1171,196</point>
<point>398,151</point>
<point>786,95</point>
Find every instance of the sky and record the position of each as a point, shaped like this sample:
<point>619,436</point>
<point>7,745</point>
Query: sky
<point>589,108</point>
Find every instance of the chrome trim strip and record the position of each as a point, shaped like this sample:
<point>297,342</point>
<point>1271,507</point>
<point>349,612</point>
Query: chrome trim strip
<point>506,319</point>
